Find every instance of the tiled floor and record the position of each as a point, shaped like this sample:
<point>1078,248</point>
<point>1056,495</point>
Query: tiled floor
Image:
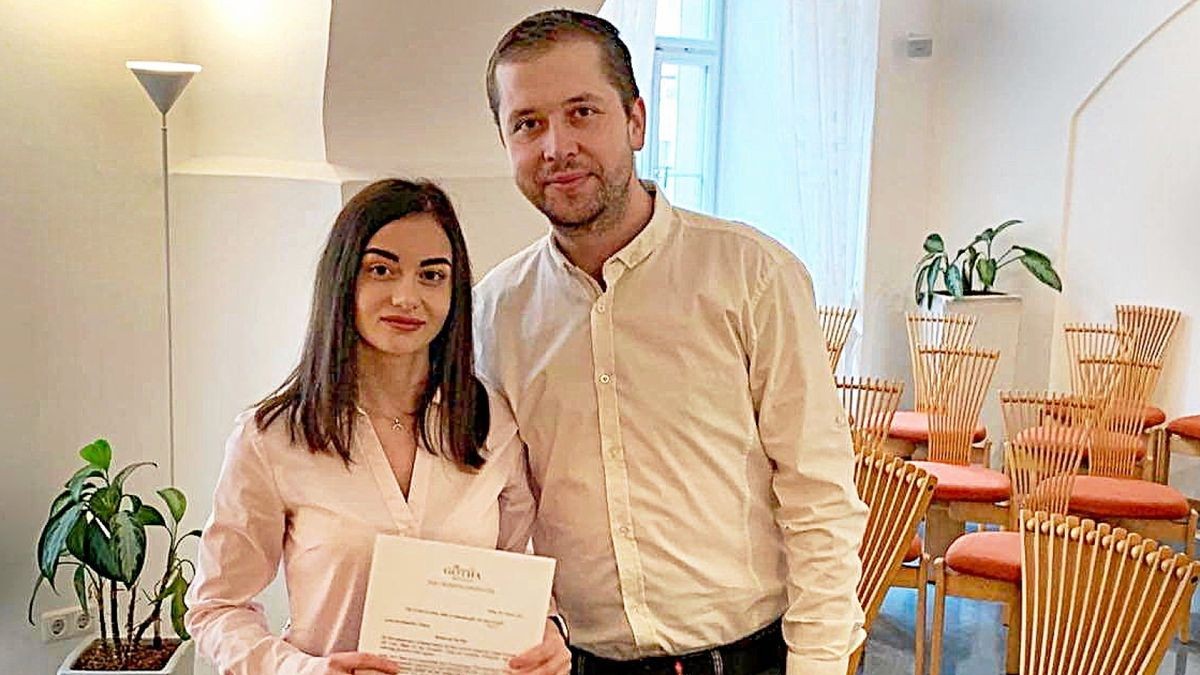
<point>974,643</point>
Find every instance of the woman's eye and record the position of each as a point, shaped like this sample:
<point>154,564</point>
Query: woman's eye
<point>433,276</point>
<point>378,270</point>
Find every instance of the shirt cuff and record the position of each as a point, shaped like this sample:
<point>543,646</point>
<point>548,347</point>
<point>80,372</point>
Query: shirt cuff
<point>799,665</point>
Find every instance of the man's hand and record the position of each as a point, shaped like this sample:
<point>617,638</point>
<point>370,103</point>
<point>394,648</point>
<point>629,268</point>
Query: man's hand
<point>549,658</point>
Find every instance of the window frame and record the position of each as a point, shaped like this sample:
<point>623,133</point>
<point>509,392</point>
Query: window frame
<point>690,52</point>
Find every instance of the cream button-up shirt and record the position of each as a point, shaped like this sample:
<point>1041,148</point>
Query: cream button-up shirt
<point>276,502</point>
<point>690,455</point>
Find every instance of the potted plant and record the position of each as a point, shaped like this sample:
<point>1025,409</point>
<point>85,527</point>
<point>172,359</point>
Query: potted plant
<point>972,264</point>
<point>100,529</point>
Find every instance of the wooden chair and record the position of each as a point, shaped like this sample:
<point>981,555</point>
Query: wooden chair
<point>869,404</point>
<point>1047,434</point>
<point>1152,330</point>
<point>836,323</point>
<point>1097,600</point>
<point>897,495</point>
<point>957,381</point>
<point>910,428</point>
<point>1115,489</point>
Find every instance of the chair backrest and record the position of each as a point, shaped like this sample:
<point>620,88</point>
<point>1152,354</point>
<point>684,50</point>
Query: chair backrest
<point>870,405</point>
<point>1048,435</point>
<point>897,495</point>
<point>1092,350</point>
<point>955,398</point>
<point>1119,442</point>
<point>1152,329</point>
<point>944,331</point>
<point>836,323</point>
<point>1097,600</point>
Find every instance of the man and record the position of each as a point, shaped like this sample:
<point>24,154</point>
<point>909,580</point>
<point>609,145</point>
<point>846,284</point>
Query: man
<point>668,374</point>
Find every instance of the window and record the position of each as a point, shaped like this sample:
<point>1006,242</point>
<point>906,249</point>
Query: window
<point>681,148</point>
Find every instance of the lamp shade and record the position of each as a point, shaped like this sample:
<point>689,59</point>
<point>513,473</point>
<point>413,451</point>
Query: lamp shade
<point>164,81</point>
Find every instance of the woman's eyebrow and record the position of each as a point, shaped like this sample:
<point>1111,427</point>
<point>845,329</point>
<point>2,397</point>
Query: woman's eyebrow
<point>382,253</point>
<point>435,261</point>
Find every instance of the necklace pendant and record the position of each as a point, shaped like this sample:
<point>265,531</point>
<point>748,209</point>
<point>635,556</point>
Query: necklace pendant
<point>397,425</point>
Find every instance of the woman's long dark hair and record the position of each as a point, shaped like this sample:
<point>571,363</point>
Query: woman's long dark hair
<point>318,399</point>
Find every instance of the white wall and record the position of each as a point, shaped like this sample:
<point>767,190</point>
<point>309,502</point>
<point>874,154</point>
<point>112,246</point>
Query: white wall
<point>1011,73</point>
<point>81,344</point>
<point>1132,234</point>
<point>901,172</point>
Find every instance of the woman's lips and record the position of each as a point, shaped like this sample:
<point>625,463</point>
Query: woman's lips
<point>404,323</point>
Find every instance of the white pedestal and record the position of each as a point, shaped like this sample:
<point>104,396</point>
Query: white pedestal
<point>998,323</point>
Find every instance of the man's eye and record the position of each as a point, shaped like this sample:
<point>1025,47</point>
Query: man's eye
<point>524,125</point>
<point>585,112</point>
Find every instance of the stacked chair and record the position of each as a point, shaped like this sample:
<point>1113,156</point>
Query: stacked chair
<point>1114,489</point>
<point>1097,600</point>
<point>1047,437</point>
<point>956,381</point>
<point>836,323</point>
<point>910,428</point>
<point>1151,330</point>
<point>897,495</point>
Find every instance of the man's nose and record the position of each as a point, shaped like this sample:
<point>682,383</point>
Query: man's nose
<point>559,142</point>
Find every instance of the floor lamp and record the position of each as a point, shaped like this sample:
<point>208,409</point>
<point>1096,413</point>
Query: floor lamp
<point>164,82</point>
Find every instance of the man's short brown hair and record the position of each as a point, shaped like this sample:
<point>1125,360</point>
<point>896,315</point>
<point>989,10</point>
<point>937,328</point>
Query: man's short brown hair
<point>539,32</point>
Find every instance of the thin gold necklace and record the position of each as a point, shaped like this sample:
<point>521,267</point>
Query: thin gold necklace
<point>397,422</point>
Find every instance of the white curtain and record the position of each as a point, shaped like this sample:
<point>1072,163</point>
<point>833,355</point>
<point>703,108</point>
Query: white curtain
<point>798,104</point>
<point>635,20</point>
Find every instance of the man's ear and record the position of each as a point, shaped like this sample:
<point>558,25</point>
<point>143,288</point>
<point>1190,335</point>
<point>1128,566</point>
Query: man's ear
<point>636,123</point>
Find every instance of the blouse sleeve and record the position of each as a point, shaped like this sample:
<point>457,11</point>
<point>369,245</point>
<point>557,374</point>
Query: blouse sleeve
<point>238,557</point>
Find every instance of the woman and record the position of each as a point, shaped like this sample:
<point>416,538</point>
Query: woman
<point>382,428</point>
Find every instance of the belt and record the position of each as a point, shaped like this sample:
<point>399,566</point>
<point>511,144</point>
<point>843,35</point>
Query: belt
<point>754,653</point>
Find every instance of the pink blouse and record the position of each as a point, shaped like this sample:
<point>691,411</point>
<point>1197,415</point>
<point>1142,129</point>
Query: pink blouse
<point>276,501</point>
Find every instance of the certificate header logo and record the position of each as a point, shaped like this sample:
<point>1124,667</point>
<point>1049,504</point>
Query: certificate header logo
<point>462,573</point>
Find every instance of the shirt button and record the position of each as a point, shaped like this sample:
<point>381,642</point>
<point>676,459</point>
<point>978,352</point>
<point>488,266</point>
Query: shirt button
<point>624,531</point>
<point>605,378</point>
<point>600,307</point>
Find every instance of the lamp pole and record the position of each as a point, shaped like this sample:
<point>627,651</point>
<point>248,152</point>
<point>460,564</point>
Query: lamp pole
<point>164,82</point>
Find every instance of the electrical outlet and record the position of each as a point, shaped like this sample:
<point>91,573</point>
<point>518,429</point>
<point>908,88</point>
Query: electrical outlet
<point>63,624</point>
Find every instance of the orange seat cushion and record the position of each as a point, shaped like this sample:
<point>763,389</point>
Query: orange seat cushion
<point>1050,436</point>
<point>911,426</point>
<point>1188,427</point>
<point>967,483</point>
<point>915,549</point>
<point>1104,497</point>
<point>1153,416</point>
<point>991,555</point>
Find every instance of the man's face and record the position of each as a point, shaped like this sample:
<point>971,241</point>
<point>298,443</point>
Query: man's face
<point>569,140</point>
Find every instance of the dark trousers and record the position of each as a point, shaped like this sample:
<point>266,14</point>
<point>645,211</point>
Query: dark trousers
<point>763,653</point>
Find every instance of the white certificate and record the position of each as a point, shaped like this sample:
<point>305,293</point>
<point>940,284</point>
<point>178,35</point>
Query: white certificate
<point>445,609</point>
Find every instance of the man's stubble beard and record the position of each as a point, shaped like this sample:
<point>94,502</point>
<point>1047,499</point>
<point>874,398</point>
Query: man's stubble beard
<point>608,209</point>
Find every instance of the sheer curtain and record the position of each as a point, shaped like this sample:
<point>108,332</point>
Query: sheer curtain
<point>635,20</point>
<point>797,109</point>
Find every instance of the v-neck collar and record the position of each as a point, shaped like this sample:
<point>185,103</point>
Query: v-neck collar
<point>406,513</point>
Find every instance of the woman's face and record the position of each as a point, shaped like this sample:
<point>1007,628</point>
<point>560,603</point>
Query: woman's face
<point>403,290</point>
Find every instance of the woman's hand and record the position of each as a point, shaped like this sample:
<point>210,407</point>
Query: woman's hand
<point>549,658</point>
<point>352,662</point>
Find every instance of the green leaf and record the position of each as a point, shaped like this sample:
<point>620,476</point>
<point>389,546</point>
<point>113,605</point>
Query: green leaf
<point>99,554</point>
<point>954,281</point>
<point>60,503</point>
<point>104,502</point>
<point>80,480</point>
<point>1039,265</point>
<point>193,533</point>
<point>931,281</point>
<point>98,454</point>
<point>986,236</point>
<point>987,272</point>
<point>37,586</point>
<point>75,540</point>
<point>1004,226</point>
<point>81,587</point>
<point>934,244</point>
<point>129,540</point>
<point>176,502</point>
<point>149,516</point>
<point>53,539</point>
<point>178,610</point>
<point>119,481</point>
